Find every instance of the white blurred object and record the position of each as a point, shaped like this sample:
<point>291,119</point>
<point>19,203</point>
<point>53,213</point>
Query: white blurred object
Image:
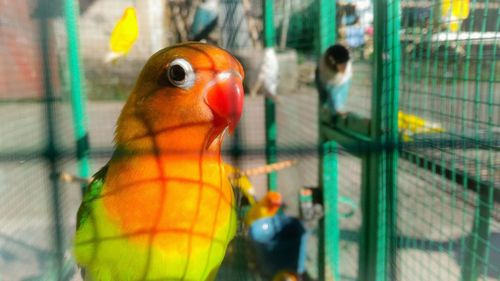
<point>157,25</point>
<point>268,75</point>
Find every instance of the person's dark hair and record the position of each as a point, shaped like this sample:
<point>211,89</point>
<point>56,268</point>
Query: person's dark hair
<point>338,54</point>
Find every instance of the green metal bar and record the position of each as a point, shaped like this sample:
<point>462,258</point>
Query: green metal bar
<point>394,49</point>
<point>324,38</point>
<point>378,196</point>
<point>271,133</point>
<point>270,107</point>
<point>464,242</point>
<point>356,144</point>
<point>326,26</point>
<point>269,32</point>
<point>51,151</point>
<point>331,235</point>
<point>369,238</point>
<point>77,88</point>
<point>392,136</point>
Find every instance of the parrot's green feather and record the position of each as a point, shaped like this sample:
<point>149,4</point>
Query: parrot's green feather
<point>92,192</point>
<point>213,274</point>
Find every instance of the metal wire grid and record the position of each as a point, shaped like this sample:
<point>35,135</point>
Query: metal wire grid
<point>469,125</point>
<point>359,100</point>
<point>349,180</point>
<point>296,24</point>
<point>36,141</point>
<point>450,79</point>
<point>354,28</point>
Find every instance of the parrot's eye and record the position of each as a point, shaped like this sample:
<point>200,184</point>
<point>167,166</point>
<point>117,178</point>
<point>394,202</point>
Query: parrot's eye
<point>177,73</point>
<point>180,73</point>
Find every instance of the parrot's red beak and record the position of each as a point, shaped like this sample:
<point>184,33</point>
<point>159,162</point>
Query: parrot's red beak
<point>225,98</point>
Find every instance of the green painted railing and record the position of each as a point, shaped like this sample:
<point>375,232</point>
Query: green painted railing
<point>78,98</point>
<point>269,104</point>
<point>374,141</point>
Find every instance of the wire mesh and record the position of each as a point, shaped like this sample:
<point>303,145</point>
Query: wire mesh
<point>36,143</point>
<point>354,22</point>
<point>350,215</point>
<point>296,24</point>
<point>447,219</point>
<point>449,78</point>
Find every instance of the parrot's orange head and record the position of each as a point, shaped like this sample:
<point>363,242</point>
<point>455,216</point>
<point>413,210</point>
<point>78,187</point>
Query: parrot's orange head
<point>186,85</point>
<point>274,199</point>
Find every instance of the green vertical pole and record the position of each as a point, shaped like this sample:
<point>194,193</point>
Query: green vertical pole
<point>330,251</point>
<point>392,99</point>
<point>77,93</point>
<point>378,197</point>
<point>326,25</point>
<point>271,132</point>
<point>270,106</point>
<point>52,153</point>
<point>328,235</point>
<point>269,32</point>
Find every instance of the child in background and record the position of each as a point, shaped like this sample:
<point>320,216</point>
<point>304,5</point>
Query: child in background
<point>333,78</point>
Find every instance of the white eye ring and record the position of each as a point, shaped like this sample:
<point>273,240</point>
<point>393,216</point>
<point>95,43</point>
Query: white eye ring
<point>180,73</point>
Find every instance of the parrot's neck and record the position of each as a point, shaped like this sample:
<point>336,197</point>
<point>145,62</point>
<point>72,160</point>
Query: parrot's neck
<point>175,153</point>
<point>190,140</point>
<point>273,209</point>
<point>167,149</point>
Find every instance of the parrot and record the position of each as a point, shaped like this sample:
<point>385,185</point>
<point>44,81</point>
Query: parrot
<point>205,20</point>
<point>454,12</point>
<point>285,276</point>
<point>268,206</point>
<point>409,124</point>
<point>333,79</point>
<point>123,36</point>
<point>162,208</point>
<point>268,77</point>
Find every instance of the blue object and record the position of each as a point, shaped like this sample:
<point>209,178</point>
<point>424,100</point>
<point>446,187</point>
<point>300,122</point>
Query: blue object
<point>279,243</point>
<point>205,20</point>
<point>355,36</point>
<point>337,96</point>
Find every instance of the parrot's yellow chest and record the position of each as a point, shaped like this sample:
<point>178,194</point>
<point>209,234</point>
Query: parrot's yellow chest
<point>160,217</point>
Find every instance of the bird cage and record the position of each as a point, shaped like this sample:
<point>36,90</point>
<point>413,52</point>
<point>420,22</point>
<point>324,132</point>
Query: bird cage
<point>403,186</point>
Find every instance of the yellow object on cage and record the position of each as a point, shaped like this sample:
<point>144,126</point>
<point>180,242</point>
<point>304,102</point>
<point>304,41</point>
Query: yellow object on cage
<point>240,181</point>
<point>454,12</point>
<point>459,8</point>
<point>123,36</point>
<point>410,125</point>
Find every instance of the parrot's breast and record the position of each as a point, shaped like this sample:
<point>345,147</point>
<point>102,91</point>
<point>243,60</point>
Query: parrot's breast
<point>173,221</point>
